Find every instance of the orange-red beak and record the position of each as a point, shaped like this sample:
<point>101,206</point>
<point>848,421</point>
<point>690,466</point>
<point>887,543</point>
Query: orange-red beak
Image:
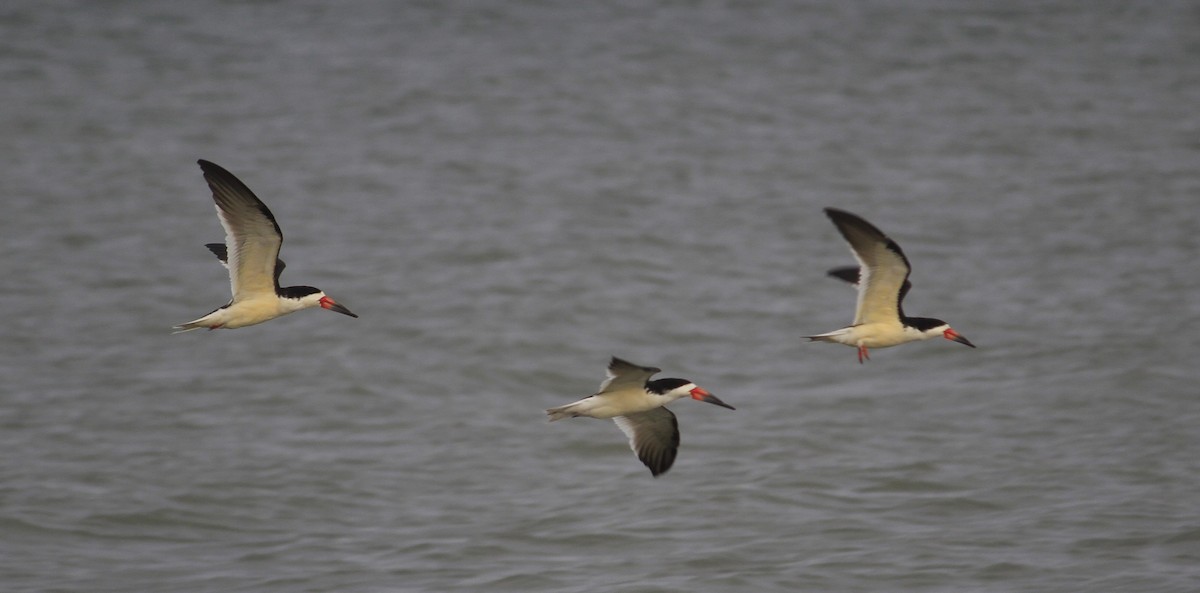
<point>700,394</point>
<point>954,336</point>
<point>332,305</point>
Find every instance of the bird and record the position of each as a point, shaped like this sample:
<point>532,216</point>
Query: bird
<point>882,280</point>
<point>635,403</point>
<point>251,254</point>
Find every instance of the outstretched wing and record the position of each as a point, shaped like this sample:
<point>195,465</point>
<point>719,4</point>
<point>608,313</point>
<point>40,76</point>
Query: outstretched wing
<point>653,436</point>
<point>221,252</point>
<point>882,265</point>
<point>251,234</point>
<point>850,274</point>
<point>623,374</point>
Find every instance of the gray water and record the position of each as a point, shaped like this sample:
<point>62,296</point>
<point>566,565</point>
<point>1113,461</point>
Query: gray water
<point>510,193</point>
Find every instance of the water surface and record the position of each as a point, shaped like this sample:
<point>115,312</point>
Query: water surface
<point>510,194</point>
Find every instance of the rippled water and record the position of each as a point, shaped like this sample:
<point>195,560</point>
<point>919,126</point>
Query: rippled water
<point>510,193</point>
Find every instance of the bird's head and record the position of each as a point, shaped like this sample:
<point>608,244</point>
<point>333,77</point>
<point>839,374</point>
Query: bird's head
<point>932,328</point>
<point>304,297</point>
<point>673,389</point>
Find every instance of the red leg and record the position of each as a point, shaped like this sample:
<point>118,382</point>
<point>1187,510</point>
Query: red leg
<point>863,354</point>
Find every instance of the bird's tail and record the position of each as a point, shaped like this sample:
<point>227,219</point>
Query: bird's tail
<point>828,336</point>
<point>211,321</point>
<point>186,327</point>
<point>567,411</point>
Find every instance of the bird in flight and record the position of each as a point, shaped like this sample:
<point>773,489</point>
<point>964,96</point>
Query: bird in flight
<point>635,403</point>
<point>882,280</point>
<point>251,254</point>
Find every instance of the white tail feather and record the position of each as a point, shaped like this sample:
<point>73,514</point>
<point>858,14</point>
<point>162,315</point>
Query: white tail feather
<point>570,410</point>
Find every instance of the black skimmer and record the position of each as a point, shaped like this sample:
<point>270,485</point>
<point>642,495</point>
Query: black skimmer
<point>635,403</point>
<point>251,254</point>
<point>882,279</point>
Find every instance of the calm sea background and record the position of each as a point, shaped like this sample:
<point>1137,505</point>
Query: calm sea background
<point>510,193</point>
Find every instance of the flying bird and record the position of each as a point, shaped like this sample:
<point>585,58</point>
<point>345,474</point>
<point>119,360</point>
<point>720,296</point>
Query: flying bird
<point>251,254</point>
<point>635,403</point>
<point>882,280</point>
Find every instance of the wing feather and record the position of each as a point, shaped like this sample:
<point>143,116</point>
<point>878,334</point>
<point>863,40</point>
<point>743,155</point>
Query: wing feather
<point>653,436</point>
<point>883,268</point>
<point>252,237</point>
<point>222,254</point>
<point>623,374</point>
<point>850,274</point>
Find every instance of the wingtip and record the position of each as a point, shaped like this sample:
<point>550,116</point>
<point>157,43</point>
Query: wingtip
<point>837,214</point>
<point>211,169</point>
<point>658,465</point>
<point>847,274</point>
<point>616,362</point>
<point>219,250</point>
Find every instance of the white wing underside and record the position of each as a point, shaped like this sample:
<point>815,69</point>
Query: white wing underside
<point>882,270</point>
<point>879,293</point>
<point>252,257</point>
<point>252,238</point>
